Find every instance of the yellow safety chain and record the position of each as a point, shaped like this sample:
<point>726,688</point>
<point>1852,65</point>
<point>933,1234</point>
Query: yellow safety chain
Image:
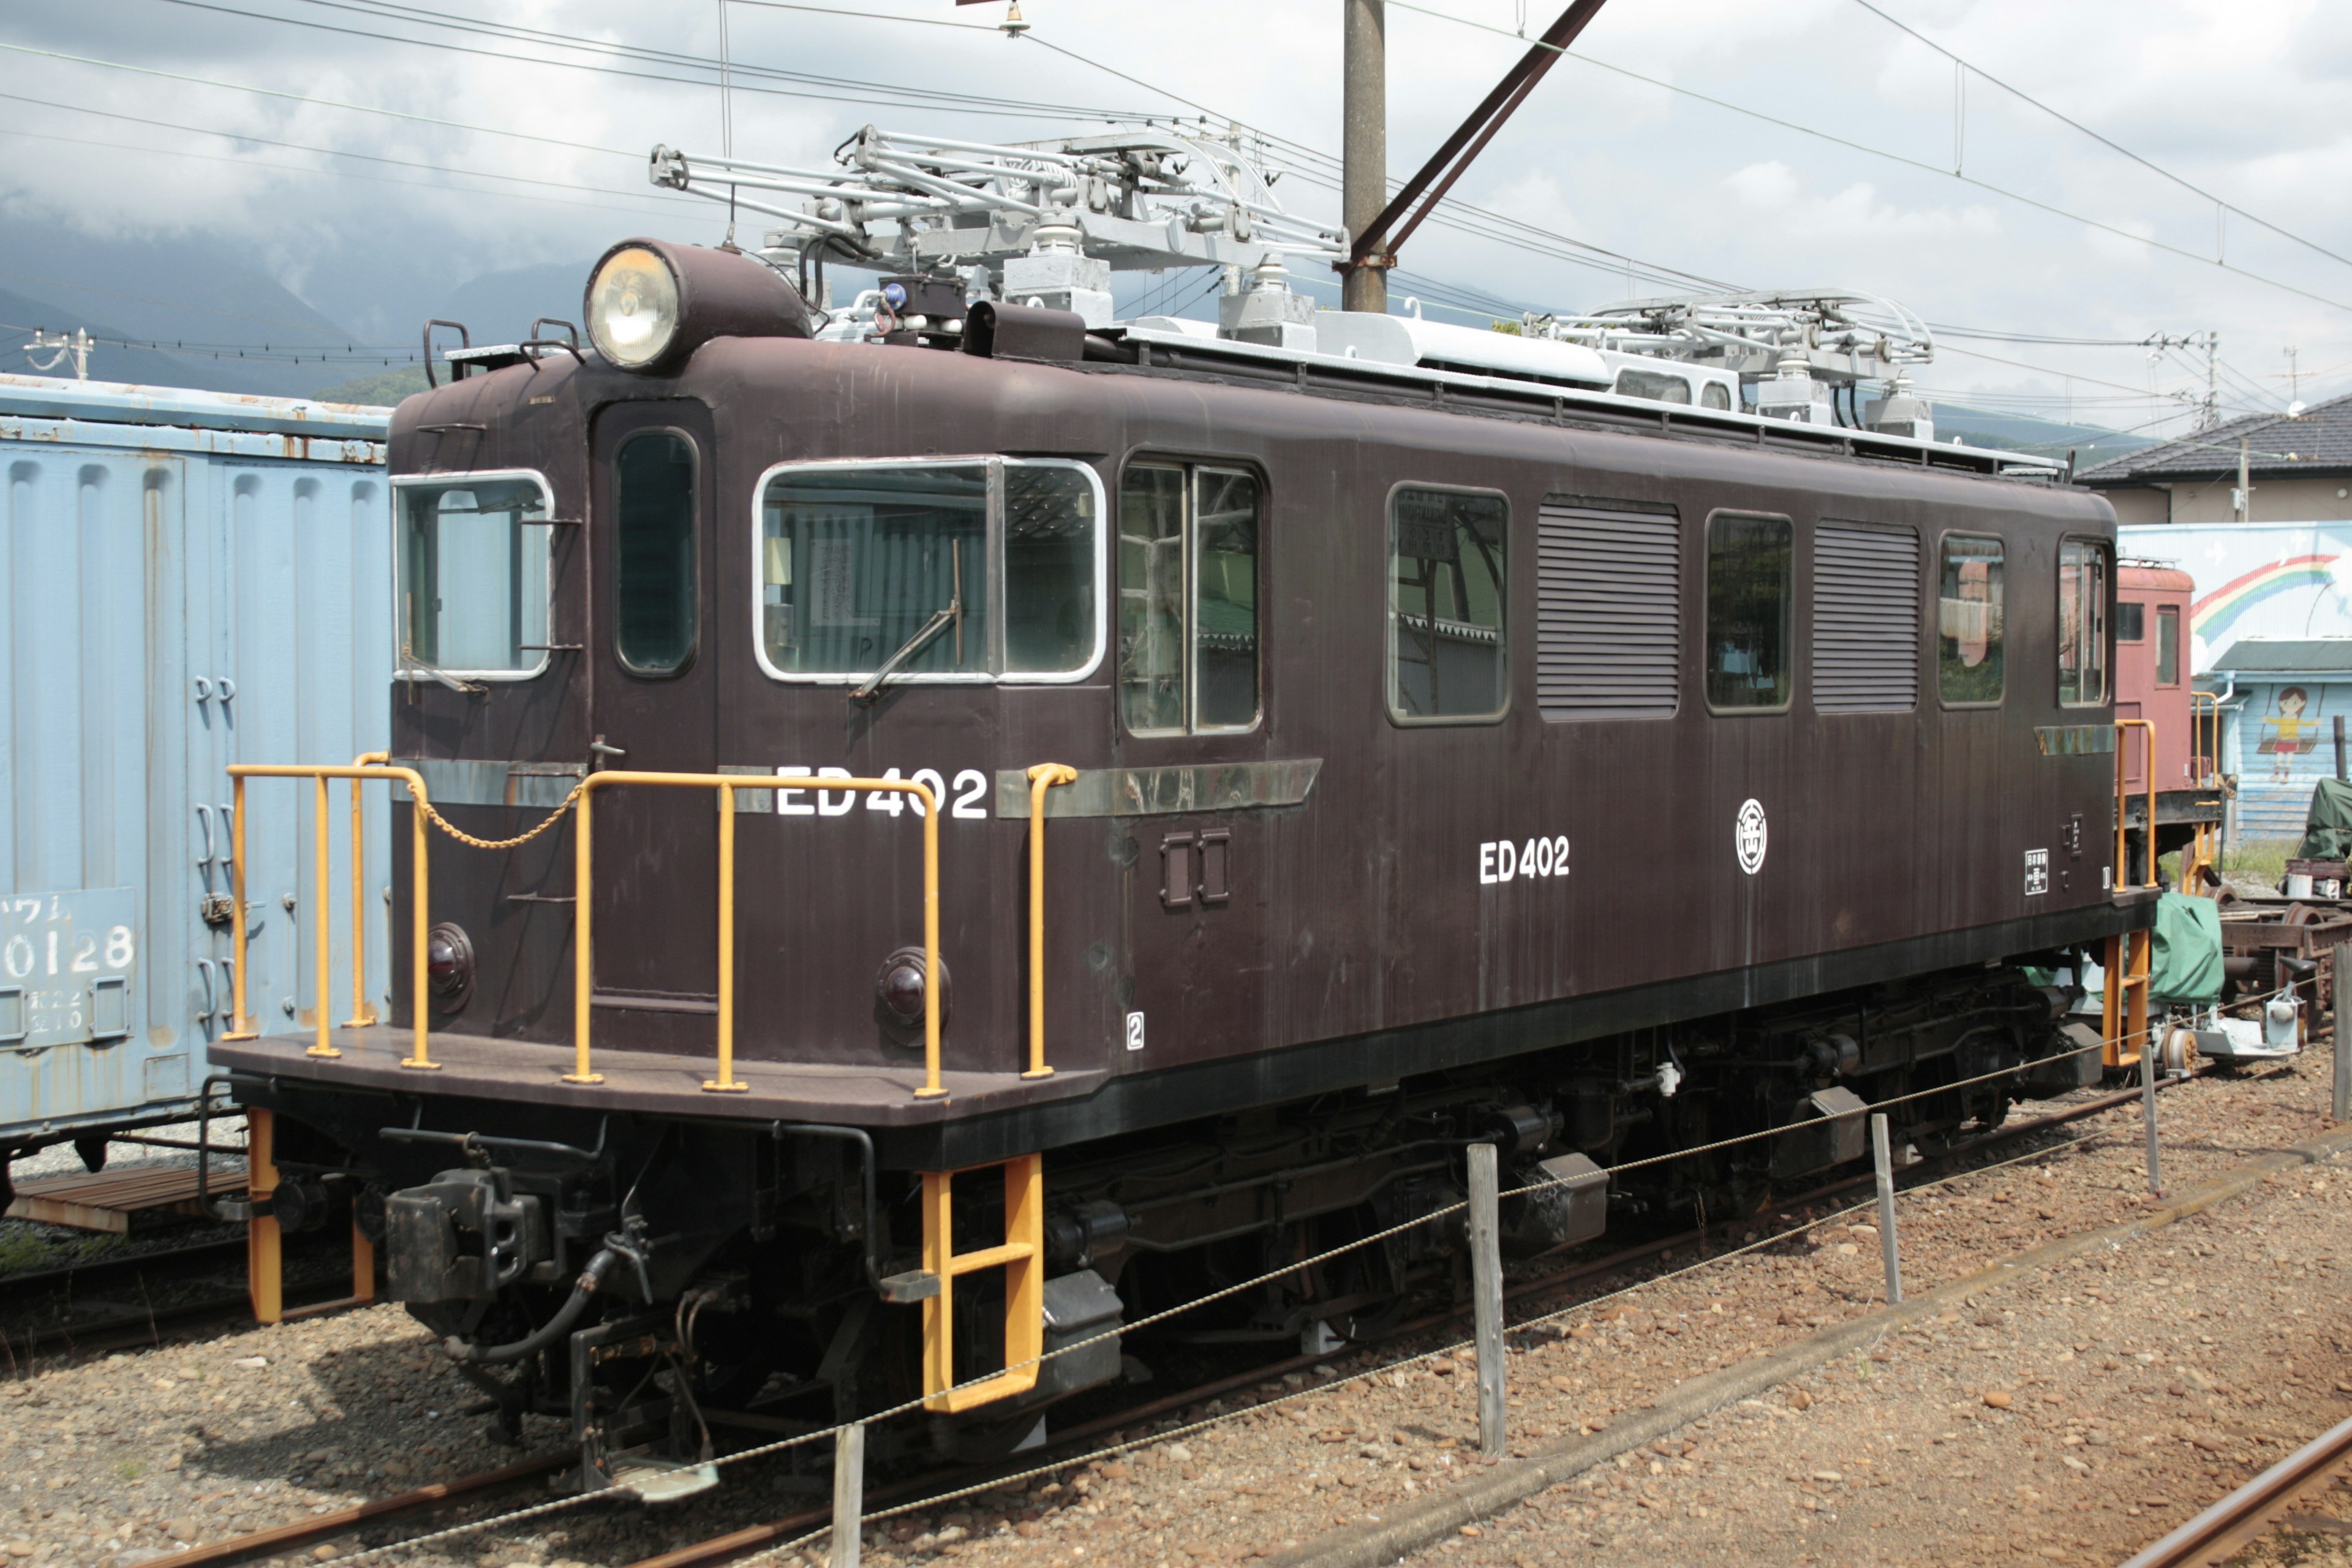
<point>462,836</point>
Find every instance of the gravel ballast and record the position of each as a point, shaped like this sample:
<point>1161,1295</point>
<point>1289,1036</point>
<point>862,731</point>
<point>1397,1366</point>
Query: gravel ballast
<point>2224,1327</point>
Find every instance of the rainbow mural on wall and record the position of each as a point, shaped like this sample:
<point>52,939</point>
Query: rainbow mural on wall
<point>2273,581</point>
<point>2217,614</point>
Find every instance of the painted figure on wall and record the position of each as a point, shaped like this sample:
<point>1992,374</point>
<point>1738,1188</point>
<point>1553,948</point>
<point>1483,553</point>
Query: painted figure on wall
<point>2294,730</point>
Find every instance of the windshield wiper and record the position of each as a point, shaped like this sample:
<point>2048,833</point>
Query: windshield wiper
<point>914,644</point>
<point>950,614</point>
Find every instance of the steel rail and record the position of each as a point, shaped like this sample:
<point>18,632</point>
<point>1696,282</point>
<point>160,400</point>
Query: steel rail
<point>2254,1509</point>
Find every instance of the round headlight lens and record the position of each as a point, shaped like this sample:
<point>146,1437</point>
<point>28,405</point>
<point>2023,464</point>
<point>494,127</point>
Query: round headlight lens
<point>450,965</point>
<point>901,986</point>
<point>632,306</point>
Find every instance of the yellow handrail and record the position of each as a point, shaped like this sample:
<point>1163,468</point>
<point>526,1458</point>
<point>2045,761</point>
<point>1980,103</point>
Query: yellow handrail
<point>363,1015</point>
<point>1022,1256</point>
<point>243,1023</point>
<point>726,785</point>
<point>1041,777</point>
<point>2122,794</point>
<point>2204,718</point>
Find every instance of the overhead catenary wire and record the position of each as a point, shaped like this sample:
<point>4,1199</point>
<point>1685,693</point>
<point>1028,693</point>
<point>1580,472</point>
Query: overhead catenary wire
<point>1482,224</point>
<point>2100,137</point>
<point>1477,221</point>
<point>867,93</point>
<point>658,200</point>
<point>321,102</point>
<point>264,353</point>
<point>1921,164</point>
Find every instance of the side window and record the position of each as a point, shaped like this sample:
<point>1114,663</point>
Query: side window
<point>1715,395</point>
<point>1749,561</point>
<point>1188,578</point>
<point>2168,646</point>
<point>653,552</point>
<point>1967,623</point>
<point>1446,595</point>
<point>2131,623</point>
<point>2083,622</point>
<point>473,584</point>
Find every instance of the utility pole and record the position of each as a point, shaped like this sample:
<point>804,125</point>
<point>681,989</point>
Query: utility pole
<point>2242,499</point>
<point>1364,147</point>
<point>62,346</point>
<point>1376,242</point>
<point>2212,383</point>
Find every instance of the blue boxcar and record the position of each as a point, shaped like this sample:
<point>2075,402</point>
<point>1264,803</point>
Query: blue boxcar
<point>187,579</point>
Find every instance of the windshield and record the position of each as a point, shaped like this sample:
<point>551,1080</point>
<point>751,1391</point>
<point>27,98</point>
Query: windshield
<point>857,560</point>
<point>472,567</point>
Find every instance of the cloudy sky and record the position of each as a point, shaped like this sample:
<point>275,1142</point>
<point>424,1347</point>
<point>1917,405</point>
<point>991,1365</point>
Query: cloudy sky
<point>372,156</point>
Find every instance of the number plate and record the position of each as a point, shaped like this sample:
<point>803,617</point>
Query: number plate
<point>66,963</point>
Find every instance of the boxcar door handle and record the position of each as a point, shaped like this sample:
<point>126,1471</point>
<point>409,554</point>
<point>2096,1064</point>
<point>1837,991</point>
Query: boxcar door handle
<point>205,820</point>
<point>227,689</point>
<point>203,688</point>
<point>211,995</point>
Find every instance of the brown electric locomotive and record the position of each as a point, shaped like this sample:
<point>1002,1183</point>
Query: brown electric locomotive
<point>1062,820</point>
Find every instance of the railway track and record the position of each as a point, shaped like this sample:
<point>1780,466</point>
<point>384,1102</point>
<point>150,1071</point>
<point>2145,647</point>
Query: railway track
<point>1071,1442</point>
<point>2294,1489</point>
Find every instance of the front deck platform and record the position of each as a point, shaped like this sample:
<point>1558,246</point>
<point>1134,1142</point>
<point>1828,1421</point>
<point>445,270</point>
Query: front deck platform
<point>477,1067</point>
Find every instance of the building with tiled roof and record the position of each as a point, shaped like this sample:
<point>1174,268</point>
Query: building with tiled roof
<point>2300,465</point>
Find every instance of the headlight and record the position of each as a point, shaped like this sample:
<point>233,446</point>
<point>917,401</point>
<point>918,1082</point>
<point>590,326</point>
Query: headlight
<point>904,989</point>
<point>450,965</point>
<point>632,306</point>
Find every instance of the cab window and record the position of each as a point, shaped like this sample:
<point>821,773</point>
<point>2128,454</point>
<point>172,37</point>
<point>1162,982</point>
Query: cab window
<point>976,570</point>
<point>472,572</point>
<point>2083,580</point>
<point>653,549</point>
<point>1188,598</point>
<point>2168,646</point>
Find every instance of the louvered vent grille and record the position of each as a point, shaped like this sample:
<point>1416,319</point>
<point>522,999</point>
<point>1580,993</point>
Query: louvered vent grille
<point>1865,620</point>
<point>1608,614</point>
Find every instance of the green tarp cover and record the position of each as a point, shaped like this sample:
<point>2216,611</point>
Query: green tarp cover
<point>2187,964</point>
<point>2328,831</point>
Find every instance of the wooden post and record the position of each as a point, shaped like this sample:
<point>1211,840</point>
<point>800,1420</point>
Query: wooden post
<point>1487,1296</point>
<point>2340,975</point>
<point>264,1276</point>
<point>2147,1056</point>
<point>2340,776</point>
<point>848,1496</point>
<point>1883,1156</point>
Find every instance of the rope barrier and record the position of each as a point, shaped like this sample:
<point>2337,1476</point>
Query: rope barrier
<point>1385,1369</point>
<point>1389,1369</point>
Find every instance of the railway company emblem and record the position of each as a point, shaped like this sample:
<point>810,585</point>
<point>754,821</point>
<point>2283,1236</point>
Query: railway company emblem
<point>1748,837</point>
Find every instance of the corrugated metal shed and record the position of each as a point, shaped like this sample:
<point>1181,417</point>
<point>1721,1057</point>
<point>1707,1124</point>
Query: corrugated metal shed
<point>191,579</point>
